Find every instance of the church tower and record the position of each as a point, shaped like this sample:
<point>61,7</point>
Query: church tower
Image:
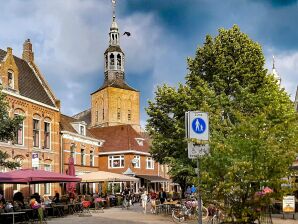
<point>274,72</point>
<point>115,102</point>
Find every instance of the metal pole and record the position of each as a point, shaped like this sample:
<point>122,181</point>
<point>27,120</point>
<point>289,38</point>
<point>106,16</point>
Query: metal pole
<point>199,195</point>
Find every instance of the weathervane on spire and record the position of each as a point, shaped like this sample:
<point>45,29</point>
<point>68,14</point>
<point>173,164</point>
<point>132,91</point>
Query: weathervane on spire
<point>273,62</point>
<point>114,8</point>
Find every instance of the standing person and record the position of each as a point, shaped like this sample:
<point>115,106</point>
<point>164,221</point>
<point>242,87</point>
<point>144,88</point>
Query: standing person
<point>162,196</point>
<point>153,197</point>
<point>188,191</point>
<point>144,199</point>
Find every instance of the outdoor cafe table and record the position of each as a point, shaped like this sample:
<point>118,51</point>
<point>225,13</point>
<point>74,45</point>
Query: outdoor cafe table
<point>13,214</point>
<point>167,206</point>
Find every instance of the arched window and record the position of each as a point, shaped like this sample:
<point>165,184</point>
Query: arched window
<point>119,61</point>
<point>10,78</point>
<point>106,64</point>
<point>102,108</point>
<point>96,112</point>
<point>112,61</point>
<point>129,110</point>
<point>119,109</point>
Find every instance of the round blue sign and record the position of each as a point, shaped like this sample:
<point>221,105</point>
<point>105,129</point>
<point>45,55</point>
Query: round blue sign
<point>198,125</point>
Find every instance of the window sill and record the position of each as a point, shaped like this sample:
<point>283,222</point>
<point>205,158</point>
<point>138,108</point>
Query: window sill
<point>42,150</point>
<point>116,167</point>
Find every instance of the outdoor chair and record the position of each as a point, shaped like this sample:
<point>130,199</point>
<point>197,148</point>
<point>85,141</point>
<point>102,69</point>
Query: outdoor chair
<point>86,209</point>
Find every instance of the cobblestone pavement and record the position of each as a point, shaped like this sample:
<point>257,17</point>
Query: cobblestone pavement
<point>132,216</point>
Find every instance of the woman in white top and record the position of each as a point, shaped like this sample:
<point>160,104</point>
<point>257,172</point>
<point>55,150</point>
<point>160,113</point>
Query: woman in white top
<point>144,198</point>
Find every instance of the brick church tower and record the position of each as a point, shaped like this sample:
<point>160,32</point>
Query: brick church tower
<point>115,102</point>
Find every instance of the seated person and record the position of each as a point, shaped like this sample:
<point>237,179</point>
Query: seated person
<point>18,201</point>
<point>47,200</point>
<point>56,198</point>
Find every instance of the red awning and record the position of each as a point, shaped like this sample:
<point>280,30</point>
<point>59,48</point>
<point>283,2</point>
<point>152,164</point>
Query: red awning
<point>30,176</point>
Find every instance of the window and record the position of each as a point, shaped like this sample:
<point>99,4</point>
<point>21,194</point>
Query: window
<point>19,140</point>
<point>118,113</point>
<point>150,163</point>
<point>129,115</point>
<point>83,160</point>
<point>91,158</point>
<point>119,61</point>
<point>73,153</point>
<point>112,61</point>
<point>10,80</point>
<point>116,161</point>
<point>47,135</point>
<point>137,162</point>
<point>119,109</point>
<point>106,62</point>
<point>47,186</point>
<point>0,80</point>
<point>35,133</point>
<point>82,129</point>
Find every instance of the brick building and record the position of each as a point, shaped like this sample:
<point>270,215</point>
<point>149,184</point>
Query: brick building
<point>29,95</point>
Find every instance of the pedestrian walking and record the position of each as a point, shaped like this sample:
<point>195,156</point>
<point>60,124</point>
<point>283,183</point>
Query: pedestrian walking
<point>144,199</point>
<point>153,197</point>
<point>162,196</point>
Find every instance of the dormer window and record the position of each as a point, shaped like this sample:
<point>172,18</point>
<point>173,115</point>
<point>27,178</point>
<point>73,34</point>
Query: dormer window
<point>140,141</point>
<point>10,80</point>
<point>82,130</point>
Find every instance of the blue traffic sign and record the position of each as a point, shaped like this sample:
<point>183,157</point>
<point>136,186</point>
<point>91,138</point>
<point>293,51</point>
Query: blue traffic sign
<point>198,125</point>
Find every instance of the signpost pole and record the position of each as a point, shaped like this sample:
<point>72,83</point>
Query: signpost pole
<point>199,195</point>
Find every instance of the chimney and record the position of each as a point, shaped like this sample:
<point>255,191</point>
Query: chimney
<point>28,54</point>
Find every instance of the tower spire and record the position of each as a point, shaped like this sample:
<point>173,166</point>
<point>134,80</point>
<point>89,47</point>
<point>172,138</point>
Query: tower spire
<point>274,72</point>
<point>114,9</point>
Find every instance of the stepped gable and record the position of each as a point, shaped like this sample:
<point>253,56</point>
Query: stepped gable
<point>29,85</point>
<point>119,138</point>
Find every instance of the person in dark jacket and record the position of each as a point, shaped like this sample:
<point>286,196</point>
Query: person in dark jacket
<point>162,196</point>
<point>56,198</point>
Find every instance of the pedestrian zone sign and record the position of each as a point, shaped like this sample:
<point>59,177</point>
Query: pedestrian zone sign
<point>198,125</point>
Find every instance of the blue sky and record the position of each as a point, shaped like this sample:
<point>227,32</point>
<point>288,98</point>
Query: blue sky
<point>70,36</point>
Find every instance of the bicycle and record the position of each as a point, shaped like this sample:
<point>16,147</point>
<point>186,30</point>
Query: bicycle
<point>188,210</point>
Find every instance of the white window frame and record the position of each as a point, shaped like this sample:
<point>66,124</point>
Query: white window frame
<point>149,160</point>
<point>93,160</point>
<point>114,158</point>
<point>50,141</point>
<point>83,162</point>
<point>137,165</point>
<point>49,185</point>
<point>84,129</point>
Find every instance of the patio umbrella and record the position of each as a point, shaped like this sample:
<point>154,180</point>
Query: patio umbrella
<point>71,186</point>
<point>30,176</point>
<point>101,176</point>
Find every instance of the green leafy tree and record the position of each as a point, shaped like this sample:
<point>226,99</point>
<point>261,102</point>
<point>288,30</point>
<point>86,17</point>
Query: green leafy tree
<point>8,128</point>
<point>253,125</point>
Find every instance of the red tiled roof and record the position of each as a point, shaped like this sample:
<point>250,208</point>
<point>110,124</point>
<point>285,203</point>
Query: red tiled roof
<point>118,138</point>
<point>65,125</point>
